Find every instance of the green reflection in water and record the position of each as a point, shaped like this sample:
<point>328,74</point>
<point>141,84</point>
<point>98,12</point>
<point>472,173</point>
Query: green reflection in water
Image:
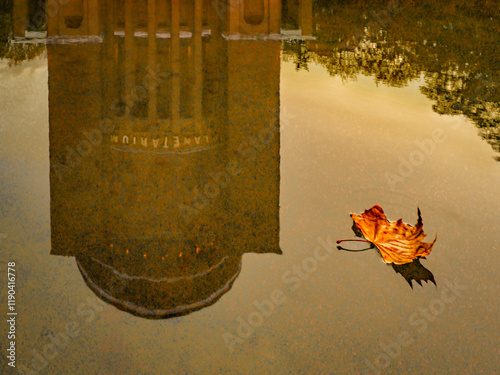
<point>454,47</point>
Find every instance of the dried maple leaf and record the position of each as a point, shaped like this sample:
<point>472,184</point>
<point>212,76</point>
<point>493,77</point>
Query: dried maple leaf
<point>398,243</point>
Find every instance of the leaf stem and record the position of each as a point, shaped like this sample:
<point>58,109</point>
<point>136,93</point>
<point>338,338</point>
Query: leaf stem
<point>355,240</point>
<point>355,251</point>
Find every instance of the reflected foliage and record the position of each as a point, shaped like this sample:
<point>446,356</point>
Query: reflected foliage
<point>296,51</point>
<point>453,45</point>
<point>15,53</point>
<point>5,25</point>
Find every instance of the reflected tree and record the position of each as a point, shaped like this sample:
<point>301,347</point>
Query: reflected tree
<point>16,53</point>
<point>297,52</point>
<point>454,45</point>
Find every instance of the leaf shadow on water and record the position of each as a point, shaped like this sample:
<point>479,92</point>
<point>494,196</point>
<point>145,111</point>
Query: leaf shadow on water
<point>413,271</point>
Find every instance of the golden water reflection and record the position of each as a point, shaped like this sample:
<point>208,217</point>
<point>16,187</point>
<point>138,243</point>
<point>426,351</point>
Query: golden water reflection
<point>167,167</point>
<point>164,139</point>
<point>164,157</point>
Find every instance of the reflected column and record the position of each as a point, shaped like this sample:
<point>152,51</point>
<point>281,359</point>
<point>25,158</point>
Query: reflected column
<point>20,17</point>
<point>152,52</point>
<point>198,69</point>
<point>306,17</point>
<point>129,59</point>
<point>175,65</point>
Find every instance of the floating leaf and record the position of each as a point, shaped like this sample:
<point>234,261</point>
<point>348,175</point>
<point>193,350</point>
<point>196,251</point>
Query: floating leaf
<point>398,243</point>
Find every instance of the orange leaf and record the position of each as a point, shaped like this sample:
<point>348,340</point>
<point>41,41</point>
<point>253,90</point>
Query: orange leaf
<point>398,243</point>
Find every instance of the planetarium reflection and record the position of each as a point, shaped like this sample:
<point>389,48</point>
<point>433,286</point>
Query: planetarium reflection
<point>164,151</point>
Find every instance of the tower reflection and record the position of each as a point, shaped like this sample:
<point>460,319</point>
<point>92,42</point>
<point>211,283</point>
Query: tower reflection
<point>164,149</point>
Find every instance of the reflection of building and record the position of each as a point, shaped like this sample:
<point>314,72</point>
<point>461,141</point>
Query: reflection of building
<point>164,160</point>
<point>159,288</point>
<point>298,19</point>
<point>250,16</point>
<point>84,18</point>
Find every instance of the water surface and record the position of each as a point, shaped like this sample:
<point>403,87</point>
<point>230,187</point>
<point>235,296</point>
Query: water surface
<point>188,225</point>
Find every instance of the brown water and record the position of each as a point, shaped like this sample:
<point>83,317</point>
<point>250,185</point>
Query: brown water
<point>172,204</point>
